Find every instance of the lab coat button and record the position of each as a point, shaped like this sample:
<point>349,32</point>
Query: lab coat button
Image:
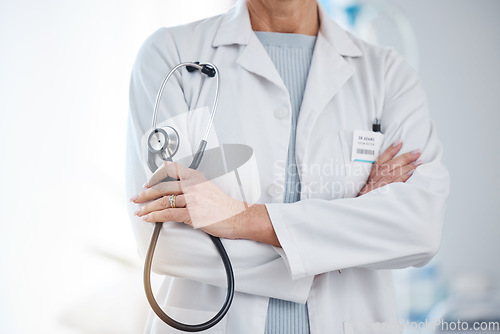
<point>275,190</point>
<point>281,113</point>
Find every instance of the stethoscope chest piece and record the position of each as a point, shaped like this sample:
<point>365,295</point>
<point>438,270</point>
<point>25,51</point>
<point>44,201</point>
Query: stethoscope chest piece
<point>163,142</point>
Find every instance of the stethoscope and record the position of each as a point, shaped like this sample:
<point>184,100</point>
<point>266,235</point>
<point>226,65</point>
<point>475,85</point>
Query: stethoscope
<point>164,142</point>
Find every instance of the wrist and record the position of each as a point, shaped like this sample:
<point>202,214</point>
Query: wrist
<point>256,225</point>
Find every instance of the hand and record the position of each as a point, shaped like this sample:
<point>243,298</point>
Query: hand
<point>388,169</point>
<point>198,202</point>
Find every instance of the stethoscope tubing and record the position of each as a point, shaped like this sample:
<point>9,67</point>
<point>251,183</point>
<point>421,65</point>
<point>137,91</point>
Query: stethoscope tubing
<point>157,309</point>
<point>215,240</point>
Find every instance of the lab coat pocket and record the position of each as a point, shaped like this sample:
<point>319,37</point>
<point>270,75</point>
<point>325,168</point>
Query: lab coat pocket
<point>186,316</point>
<point>355,172</point>
<point>360,327</point>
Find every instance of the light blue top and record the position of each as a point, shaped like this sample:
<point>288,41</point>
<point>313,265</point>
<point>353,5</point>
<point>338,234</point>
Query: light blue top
<point>291,55</point>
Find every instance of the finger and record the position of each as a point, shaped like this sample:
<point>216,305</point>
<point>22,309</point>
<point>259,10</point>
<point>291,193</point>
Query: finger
<point>396,175</point>
<point>157,191</point>
<point>169,169</point>
<point>168,215</point>
<point>399,174</point>
<point>407,172</point>
<point>404,159</point>
<point>388,154</point>
<point>161,203</point>
<point>386,170</point>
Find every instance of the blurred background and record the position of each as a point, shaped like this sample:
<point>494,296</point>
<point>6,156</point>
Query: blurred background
<point>68,261</point>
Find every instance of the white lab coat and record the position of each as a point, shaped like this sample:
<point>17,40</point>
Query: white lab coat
<point>349,83</point>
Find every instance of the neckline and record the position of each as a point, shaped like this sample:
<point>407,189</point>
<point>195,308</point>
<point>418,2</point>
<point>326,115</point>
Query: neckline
<point>286,39</point>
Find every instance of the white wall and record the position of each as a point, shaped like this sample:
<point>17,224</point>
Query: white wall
<point>458,52</point>
<point>68,261</point>
<point>460,67</point>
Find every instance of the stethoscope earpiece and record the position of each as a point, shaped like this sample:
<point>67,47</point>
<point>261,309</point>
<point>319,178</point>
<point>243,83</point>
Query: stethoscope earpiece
<point>204,68</point>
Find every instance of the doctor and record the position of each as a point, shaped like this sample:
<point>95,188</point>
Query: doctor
<point>313,254</point>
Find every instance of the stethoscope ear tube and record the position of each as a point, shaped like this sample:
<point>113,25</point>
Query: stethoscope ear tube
<point>157,309</point>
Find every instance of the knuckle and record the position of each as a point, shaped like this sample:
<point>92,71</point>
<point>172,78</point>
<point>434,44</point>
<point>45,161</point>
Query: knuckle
<point>397,172</point>
<point>166,215</point>
<point>386,179</point>
<point>383,170</point>
<point>165,168</point>
<point>161,188</point>
<point>182,186</point>
<point>398,168</point>
<point>156,189</point>
<point>168,167</point>
<point>389,153</point>
<point>407,158</point>
<point>404,172</point>
<point>179,201</point>
<point>164,202</point>
<point>169,164</point>
<point>385,155</point>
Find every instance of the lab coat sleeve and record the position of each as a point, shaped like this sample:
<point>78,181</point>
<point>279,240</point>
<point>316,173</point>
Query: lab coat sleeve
<point>181,250</point>
<point>395,226</point>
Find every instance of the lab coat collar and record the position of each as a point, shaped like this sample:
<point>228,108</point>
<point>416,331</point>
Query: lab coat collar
<point>235,28</point>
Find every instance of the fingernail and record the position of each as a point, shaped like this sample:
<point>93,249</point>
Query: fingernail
<point>417,151</point>
<point>411,172</point>
<point>133,198</point>
<point>145,185</point>
<point>137,212</point>
<point>145,218</point>
<point>396,143</point>
<point>417,163</point>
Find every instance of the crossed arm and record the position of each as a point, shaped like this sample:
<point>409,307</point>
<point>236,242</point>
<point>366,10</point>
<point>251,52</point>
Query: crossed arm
<point>201,204</point>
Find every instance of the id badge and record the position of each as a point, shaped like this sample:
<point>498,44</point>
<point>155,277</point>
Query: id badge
<point>366,145</point>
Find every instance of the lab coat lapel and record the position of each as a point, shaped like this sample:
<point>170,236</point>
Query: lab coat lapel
<point>329,71</point>
<point>327,74</point>
<point>255,59</point>
<point>236,28</point>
